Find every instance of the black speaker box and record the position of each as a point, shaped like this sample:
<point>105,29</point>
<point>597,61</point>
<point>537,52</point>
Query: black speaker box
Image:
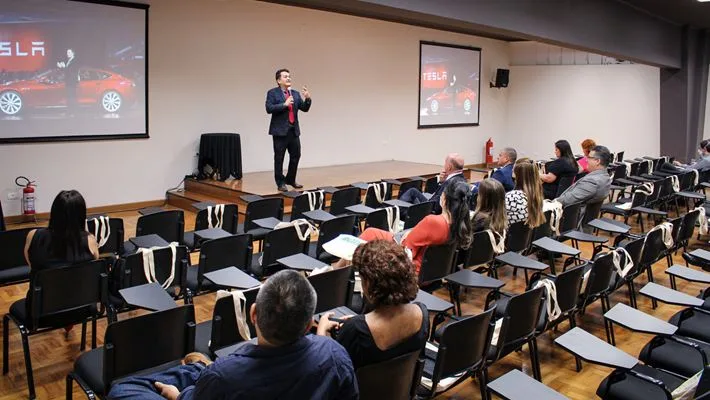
<point>502,77</point>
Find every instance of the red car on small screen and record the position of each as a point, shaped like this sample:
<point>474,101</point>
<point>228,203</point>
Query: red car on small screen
<point>452,98</point>
<point>108,90</point>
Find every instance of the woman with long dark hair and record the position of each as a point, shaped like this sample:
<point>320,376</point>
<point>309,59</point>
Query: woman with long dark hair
<point>65,240</point>
<point>453,225</point>
<point>564,166</point>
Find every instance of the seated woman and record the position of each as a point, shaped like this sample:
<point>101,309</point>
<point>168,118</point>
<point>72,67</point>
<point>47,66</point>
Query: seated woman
<point>524,203</point>
<point>564,166</point>
<point>490,209</point>
<point>453,224</point>
<point>394,326</point>
<point>583,162</point>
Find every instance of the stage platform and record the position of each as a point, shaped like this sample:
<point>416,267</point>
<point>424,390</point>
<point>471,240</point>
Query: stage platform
<point>262,183</point>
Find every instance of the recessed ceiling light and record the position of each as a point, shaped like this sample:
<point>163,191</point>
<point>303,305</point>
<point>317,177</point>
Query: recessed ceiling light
<point>703,1</point>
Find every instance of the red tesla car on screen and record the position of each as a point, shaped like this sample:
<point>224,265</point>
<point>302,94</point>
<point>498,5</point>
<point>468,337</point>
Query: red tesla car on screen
<point>107,90</point>
<point>452,98</point>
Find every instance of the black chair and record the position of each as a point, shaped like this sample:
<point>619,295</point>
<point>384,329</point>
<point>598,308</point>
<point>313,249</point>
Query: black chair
<point>646,383</point>
<point>520,314</point>
<point>333,288</point>
<point>57,297</point>
<point>221,331</point>
<point>343,198</point>
<point>431,184</point>
<point>564,184</point>
<point>230,251</point>
<point>116,237</point>
<point>301,204</point>
<point>258,209</point>
<point>371,198</point>
<point>330,230</point>
<point>480,254</point>
<point>278,243</point>
<point>13,266</point>
<point>129,272</point>
<point>517,240</point>
<point>463,347</point>
<point>168,224</point>
<point>638,199</point>
<point>634,247</point>
<point>405,186</point>
<point>395,379</point>
<point>682,234</point>
<point>591,212</point>
<point>135,346</point>
<point>437,262</point>
<point>416,213</point>
<point>379,218</point>
<point>230,223</point>
<point>568,285</point>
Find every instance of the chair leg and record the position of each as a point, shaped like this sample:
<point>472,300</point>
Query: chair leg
<point>532,346</point>
<point>484,374</point>
<point>28,362</point>
<point>673,284</point>
<point>483,383</point>
<point>93,332</point>
<point>82,346</point>
<point>649,273</point>
<point>5,343</point>
<point>69,391</point>
<point>632,294</point>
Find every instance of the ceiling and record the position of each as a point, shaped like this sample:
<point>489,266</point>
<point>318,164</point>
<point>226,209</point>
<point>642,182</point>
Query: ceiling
<point>680,12</point>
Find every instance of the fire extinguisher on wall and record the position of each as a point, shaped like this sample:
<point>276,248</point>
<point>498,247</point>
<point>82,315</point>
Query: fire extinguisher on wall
<point>489,152</point>
<point>28,195</point>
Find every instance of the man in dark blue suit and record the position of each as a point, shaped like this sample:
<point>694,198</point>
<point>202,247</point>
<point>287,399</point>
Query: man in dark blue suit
<point>283,105</point>
<point>504,172</point>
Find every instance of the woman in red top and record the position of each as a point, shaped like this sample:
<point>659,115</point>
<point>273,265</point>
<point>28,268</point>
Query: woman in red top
<point>454,224</point>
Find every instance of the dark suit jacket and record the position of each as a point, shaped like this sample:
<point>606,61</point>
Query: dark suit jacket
<point>71,73</point>
<point>442,187</point>
<point>275,99</point>
<point>504,175</point>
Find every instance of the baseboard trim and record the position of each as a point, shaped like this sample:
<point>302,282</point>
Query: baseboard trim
<point>111,208</point>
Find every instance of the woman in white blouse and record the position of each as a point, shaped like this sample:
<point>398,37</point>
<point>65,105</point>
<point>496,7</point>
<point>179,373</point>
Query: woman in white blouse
<point>524,203</point>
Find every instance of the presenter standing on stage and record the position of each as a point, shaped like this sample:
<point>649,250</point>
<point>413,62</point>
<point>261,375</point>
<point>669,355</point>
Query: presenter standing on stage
<point>283,104</point>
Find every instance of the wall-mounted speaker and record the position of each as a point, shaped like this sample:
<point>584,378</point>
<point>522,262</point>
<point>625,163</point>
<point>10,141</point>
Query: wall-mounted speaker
<point>502,76</point>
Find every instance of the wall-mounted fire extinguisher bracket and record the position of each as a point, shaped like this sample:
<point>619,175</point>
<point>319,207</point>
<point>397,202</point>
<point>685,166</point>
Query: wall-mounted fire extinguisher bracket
<point>28,195</point>
<point>489,153</point>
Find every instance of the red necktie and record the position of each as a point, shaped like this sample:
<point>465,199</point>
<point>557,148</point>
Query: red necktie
<point>291,116</point>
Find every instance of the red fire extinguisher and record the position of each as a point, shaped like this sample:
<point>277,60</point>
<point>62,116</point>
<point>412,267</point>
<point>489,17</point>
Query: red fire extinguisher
<point>489,151</point>
<point>28,195</point>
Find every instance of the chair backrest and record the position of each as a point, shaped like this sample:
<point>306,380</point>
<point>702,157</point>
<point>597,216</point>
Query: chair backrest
<point>395,379</point>
<point>12,243</point>
<point>653,248</point>
<point>371,198</point>
<point>224,320</point>
<point>564,184</point>
<point>281,243</point>
<point>463,345</point>
<point>643,168</point>
<point>342,198</point>
<point>230,218</point>
<point>687,227</point>
<point>415,184</point>
<point>114,244</point>
<point>570,217</point>
<point>544,229</point>
<point>619,172</point>
<point>437,262</point>
<point>481,250</point>
<point>263,208</point>
<point>666,188</point>
<point>378,219</point>
<point>521,315</point>
<point>65,288</point>
<point>302,204</point>
<point>417,212</point>
<point>591,212</point>
<point>147,341</point>
<point>334,288</point>
<point>518,237</point>
<point>638,199</point>
<point>620,156</point>
<point>600,276</point>
<point>332,228</point>
<point>686,180</point>
<point>230,251</point>
<point>168,224</point>
<point>132,273</point>
<point>634,248</point>
<point>568,285</point>
<point>431,184</point>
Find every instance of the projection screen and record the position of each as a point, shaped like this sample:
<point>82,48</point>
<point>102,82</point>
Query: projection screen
<point>449,85</point>
<point>73,70</point>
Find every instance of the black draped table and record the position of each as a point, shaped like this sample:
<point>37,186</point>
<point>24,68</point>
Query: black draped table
<point>223,151</point>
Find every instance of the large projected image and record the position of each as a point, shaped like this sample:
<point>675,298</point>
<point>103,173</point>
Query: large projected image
<point>449,85</point>
<point>72,70</point>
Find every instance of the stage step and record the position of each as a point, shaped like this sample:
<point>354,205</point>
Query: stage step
<point>186,198</point>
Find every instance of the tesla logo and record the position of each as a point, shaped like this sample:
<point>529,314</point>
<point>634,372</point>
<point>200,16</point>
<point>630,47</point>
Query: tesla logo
<point>9,49</point>
<point>435,76</point>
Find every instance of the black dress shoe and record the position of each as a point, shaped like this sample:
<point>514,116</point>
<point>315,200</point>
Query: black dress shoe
<point>296,185</point>
<point>282,188</point>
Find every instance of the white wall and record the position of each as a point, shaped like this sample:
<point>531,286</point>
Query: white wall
<point>616,105</point>
<point>211,63</point>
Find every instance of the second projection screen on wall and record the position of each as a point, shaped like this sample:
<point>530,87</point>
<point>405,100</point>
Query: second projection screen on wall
<point>449,85</point>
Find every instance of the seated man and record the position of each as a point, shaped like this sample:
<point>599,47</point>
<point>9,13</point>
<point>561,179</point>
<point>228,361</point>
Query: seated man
<point>281,364</point>
<point>702,164</point>
<point>595,185</point>
<point>504,172</point>
<point>453,172</point>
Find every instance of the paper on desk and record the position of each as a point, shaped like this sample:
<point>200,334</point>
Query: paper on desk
<point>343,246</point>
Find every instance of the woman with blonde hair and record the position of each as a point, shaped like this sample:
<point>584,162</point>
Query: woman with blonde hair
<point>490,208</point>
<point>524,203</point>
<point>587,146</point>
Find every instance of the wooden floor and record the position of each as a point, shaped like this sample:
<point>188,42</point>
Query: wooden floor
<point>262,183</point>
<point>53,354</point>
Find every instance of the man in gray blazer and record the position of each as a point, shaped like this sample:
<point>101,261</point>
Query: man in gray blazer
<point>595,185</point>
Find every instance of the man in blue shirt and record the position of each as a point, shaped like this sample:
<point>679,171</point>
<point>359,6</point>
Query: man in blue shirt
<point>504,172</point>
<point>282,364</point>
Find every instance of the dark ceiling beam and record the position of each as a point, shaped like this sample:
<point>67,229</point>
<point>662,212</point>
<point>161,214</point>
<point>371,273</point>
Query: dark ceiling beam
<point>601,26</point>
